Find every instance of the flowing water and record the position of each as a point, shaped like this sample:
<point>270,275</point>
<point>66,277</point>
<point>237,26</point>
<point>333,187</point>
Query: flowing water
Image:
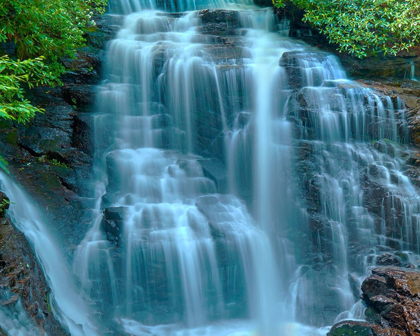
<point>243,184</point>
<point>65,302</point>
<point>232,171</point>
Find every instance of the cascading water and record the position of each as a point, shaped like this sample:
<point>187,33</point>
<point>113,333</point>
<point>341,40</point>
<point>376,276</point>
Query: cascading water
<point>243,183</point>
<point>182,245</point>
<point>174,227</point>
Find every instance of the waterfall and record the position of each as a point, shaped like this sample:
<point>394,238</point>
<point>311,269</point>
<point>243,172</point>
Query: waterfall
<point>243,183</point>
<point>232,178</point>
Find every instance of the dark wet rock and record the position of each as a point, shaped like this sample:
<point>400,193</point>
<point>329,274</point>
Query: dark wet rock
<point>113,170</point>
<point>219,22</point>
<point>22,279</point>
<point>112,223</point>
<point>388,259</point>
<point>85,68</point>
<point>263,3</point>
<point>80,96</point>
<point>83,128</point>
<point>106,28</point>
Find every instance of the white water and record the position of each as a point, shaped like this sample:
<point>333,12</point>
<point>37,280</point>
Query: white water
<point>16,322</point>
<point>192,260</point>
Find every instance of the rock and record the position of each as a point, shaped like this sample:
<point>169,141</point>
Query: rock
<point>350,328</point>
<point>263,3</point>
<point>112,223</point>
<point>393,294</point>
<point>388,259</point>
<point>80,96</point>
<point>4,204</point>
<point>219,22</point>
<point>22,279</point>
<point>82,138</point>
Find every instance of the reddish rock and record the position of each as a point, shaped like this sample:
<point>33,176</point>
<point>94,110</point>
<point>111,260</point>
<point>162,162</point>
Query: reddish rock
<point>392,297</point>
<point>393,294</point>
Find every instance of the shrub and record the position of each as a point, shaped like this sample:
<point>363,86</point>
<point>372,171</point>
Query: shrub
<point>364,27</point>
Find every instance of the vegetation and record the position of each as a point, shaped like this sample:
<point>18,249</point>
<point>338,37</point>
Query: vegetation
<point>43,31</point>
<point>32,72</point>
<point>53,162</point>
<point>364,27</point>
<point>4,205</point>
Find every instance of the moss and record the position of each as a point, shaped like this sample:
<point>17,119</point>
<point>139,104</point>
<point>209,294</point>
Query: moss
<point>49,145</point>
<point>51,180</point>
<point>91,29</point>
<point>11,138</point>
<point>351,330</point>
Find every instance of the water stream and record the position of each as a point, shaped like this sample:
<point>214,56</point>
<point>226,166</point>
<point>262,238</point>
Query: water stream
<point>67,305</point>
<point>243,184</point>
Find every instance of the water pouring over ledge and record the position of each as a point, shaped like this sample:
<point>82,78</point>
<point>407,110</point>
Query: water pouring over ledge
<point>234,173</point>
<point>178,246</point>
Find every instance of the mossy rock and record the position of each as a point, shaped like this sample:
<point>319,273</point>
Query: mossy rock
<point>351,328</point>
<point>51,180</point>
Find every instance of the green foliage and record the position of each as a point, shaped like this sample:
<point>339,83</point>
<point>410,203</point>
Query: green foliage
<point>31,72</point>
<point>364,27</point>
<point>44,31</point>
<point>49,28</point>
<point>57,163</point>
<point>53,162</point>
<point>4,205</point>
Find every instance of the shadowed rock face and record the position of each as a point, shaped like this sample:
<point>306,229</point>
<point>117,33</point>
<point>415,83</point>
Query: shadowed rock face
<point>392,297</point>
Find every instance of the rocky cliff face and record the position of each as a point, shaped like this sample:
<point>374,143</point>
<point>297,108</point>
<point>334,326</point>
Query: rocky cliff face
<point>52,156</point>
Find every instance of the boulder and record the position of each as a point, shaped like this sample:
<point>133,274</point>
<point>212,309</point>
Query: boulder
<point>350,328</point>
<point>392,297</point>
